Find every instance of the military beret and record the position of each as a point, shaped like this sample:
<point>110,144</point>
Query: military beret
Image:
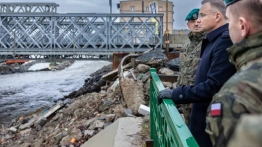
<point>229,2</point>
<point>193,15</point>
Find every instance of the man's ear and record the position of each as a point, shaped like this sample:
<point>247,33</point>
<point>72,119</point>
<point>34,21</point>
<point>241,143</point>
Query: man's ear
<point>218,17</point>
<point>244,27</point>
<point>187,24</point>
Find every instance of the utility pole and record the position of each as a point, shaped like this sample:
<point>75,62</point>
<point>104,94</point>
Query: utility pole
<point>167,34</point>
<point>110,4</point>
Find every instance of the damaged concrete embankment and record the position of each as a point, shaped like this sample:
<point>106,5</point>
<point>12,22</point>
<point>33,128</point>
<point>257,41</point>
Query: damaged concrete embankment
<point>104,98</point>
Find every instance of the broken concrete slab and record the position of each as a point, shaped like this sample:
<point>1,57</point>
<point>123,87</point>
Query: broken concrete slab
<point>28,124</point>
<point>124,132</point>
<point>133,93</point>
<point>53,110</point>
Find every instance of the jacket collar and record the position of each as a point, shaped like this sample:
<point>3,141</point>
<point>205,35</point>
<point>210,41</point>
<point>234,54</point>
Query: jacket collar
<point>212,35</point>
<point>197,36</point>
<point>248,49</point>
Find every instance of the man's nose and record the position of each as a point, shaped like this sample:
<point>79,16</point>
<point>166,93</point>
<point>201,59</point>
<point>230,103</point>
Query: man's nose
<point>198,21</point>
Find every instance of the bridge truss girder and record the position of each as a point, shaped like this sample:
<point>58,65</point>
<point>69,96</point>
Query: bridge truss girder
<point>28,35</point>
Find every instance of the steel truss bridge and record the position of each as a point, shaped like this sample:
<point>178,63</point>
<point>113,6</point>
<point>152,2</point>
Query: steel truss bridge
<point>37,31</point>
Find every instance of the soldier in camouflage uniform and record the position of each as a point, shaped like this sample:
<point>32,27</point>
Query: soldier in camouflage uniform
<point>190,57</point>
<point>242,93</point>
<point>248,132</point>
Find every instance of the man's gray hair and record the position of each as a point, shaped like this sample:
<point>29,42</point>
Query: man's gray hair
<point>217,4</point>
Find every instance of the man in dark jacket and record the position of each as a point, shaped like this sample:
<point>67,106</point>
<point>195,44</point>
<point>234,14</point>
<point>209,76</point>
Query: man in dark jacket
<point>213,71</point>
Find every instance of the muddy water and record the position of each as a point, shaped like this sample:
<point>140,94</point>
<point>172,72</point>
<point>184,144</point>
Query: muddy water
<point>22,93</point>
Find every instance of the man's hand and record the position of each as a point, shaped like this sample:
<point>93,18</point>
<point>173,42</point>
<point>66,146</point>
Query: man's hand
<point>166,93</point>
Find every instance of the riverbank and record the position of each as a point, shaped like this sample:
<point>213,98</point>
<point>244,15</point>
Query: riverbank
<point>106,96</point>
<point>32,66</point>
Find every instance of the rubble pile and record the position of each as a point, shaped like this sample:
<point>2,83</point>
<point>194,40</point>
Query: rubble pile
<point>105,97</point>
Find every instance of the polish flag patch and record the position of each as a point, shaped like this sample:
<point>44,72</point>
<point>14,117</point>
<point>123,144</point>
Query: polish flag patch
<point>216,109</point>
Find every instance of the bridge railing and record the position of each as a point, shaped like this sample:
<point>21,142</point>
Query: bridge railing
<point>167,127</point>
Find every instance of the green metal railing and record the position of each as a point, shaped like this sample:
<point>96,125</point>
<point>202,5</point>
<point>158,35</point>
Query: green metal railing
<point>167,127</point>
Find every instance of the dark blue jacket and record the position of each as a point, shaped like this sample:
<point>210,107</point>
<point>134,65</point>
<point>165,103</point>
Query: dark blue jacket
<point>213,71</point>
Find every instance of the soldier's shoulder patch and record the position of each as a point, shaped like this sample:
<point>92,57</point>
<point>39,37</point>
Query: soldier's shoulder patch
<point>216,109</point>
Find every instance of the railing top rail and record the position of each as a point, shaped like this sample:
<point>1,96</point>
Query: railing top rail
<point>177,127</point>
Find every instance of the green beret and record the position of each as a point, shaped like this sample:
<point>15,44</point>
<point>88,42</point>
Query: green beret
<point>193,15</point>
<point>229,2</point>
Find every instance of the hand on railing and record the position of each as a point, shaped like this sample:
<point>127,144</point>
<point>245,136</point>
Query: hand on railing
<point>164,94</point>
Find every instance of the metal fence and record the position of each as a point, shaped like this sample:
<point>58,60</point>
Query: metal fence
<point>167,127</point>
<point>34,35</point>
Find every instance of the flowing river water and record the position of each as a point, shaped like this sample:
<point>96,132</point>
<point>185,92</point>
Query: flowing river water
<point>23,93</point>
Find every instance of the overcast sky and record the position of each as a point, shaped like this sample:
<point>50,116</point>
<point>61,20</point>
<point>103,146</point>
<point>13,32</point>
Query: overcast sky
<point>181,7</point>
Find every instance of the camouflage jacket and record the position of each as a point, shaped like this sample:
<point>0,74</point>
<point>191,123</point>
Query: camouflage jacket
<point>242,93</point>
<point>189,59</point>
<point>248,132</point>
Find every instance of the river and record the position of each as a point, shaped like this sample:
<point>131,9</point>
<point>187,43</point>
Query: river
<point>23,93</point>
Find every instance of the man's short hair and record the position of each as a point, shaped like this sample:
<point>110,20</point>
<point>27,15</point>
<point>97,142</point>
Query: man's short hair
<point>217,4</point>
<point>250,9</point>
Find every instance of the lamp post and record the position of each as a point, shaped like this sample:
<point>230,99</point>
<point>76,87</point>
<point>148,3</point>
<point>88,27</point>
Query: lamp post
<point>167,32</point>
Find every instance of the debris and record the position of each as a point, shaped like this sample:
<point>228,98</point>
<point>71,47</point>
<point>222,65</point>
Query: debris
<point>110,118</point>
<point>12,129</point>
<point>27,125</point>
<point>113,74</point>
<point>96,124</point>
<point>128,113</point>
<point>104,98</point>
<point>173,64</point>
<point>25,132</point>
<point>59,136</point>
<point>166,71</point>
<point>133,93</point>
<point>142,68</point>
<point>73,140</point>
<point>167,84</point>
<point>153,58</point>
<point>144,110</point>
<point>53,110</point>
<point>65,140</point>
<point>89,132</point>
